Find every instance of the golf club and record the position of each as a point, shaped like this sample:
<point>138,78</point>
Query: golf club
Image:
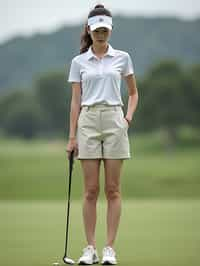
<point>71,161</point>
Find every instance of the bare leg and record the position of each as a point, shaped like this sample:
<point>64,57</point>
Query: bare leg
<point>113,195</point>
<point>91,169</point>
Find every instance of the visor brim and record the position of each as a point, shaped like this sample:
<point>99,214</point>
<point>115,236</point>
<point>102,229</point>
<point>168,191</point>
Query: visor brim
<point>100,25</point>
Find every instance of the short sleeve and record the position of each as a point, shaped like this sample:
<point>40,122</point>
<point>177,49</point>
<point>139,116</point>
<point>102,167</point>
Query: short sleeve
<point>74,73</point>
<point>128,66</point>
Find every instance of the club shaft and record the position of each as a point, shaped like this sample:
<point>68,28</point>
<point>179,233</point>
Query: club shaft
<point>68,203</point>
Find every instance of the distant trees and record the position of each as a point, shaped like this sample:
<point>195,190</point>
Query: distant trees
<point>163,97</point>
<point>43,110</point>
<point>53,94</point>
<point>169,97</point>
<point>22,120</point>
<point>20,115</point>
<point>192,94</point>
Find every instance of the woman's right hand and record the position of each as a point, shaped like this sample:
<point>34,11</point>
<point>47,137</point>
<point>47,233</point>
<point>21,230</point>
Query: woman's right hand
<point>72,145</point>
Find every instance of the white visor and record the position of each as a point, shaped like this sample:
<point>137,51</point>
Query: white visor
<point>100,21</point>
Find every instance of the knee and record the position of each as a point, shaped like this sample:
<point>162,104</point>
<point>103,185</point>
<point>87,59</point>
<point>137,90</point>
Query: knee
<point>112,193</point>
<point>92,193</point>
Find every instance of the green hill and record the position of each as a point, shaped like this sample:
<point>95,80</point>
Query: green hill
<point>148,40</point>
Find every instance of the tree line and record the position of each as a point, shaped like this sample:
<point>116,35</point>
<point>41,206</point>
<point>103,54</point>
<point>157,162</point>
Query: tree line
<point>169,97</point>
<point>149,40</point>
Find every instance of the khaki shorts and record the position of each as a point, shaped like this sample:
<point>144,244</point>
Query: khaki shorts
<point>102,132</point>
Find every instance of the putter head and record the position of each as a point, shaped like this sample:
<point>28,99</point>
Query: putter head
<point>68,260</point>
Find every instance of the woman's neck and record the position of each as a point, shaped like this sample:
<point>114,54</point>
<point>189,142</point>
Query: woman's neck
<point>100,49</point>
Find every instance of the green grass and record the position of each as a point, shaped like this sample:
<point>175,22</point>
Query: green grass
<point>151,232</point>
<point>38,170</point>
<point>161,206</point>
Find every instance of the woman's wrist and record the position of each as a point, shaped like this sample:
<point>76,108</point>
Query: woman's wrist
<point>128,120</point>
<point>72,138</point>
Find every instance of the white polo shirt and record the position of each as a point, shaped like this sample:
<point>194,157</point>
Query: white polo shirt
<point>100,78</point>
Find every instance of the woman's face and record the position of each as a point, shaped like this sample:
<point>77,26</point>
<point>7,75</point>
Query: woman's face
<point>100,35</point>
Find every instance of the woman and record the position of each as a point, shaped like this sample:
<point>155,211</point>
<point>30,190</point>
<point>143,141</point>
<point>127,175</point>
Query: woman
<point>98,128</point>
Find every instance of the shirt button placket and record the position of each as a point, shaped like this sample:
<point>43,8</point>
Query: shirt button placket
<point>101,66</point>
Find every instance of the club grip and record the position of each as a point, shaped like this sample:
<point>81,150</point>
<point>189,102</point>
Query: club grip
<point>71,159</point>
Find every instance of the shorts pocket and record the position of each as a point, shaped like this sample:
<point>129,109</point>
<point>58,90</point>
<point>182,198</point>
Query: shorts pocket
<point>80,118</point>
<point>126,123</point>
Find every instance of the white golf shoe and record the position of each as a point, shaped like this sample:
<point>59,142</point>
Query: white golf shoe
<point>89,256</point>
<point>108,256</point>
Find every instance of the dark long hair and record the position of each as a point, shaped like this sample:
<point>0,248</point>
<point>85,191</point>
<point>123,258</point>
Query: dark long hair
<point>86,40</point>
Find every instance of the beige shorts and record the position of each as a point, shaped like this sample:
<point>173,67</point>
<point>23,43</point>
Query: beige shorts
<point>102,132</point>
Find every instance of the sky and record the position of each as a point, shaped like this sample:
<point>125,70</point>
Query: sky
<point>26,17</point>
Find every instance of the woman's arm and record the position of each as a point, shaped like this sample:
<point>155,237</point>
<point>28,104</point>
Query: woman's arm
<point>133,96</point>
<point>75,109</point>
<point>72,144</point>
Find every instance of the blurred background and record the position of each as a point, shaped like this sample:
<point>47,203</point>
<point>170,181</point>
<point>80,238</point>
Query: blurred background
<point>161,182</point>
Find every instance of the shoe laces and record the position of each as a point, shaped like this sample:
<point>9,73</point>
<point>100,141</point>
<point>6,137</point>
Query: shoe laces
<point>108,251</point>
<point>88,251</point>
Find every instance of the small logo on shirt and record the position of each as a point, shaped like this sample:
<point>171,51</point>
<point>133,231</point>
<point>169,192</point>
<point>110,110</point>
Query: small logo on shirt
<point>100,19</point>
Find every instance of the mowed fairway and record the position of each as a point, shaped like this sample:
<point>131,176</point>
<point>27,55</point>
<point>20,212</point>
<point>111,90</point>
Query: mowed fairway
<point>151,233</point>
<point>38,170</point>
<point>160,223</point>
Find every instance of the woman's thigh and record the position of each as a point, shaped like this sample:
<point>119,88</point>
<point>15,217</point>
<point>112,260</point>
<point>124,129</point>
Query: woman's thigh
<point>91,170</point>
<point>112,168</point>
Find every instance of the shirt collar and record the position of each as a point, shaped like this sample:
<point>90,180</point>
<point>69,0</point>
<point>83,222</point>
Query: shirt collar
<point>110,52</point>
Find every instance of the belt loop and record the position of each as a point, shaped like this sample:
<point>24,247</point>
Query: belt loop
<point>85,107</point>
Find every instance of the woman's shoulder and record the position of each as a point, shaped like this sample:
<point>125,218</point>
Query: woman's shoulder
<point>121,53</point>
<point>79,57</point>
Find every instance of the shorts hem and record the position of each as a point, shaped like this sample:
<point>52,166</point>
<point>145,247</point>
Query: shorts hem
<point>125,157</point>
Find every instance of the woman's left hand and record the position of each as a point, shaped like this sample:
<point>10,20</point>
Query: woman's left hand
<point>128,120</point>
